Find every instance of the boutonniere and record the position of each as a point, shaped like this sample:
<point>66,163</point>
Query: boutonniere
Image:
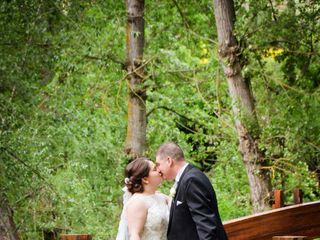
<point>172,191</point>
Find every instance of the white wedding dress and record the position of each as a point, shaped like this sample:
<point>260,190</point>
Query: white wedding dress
<point>157,220</point>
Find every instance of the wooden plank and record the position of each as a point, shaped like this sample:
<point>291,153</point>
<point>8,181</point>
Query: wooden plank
<point>299,220</point>
<point>289,238</point>
<point>75,237</point>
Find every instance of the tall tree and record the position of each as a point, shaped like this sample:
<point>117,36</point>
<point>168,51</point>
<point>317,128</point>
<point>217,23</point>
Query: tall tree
<point>242,105</point>
<point>136,129</point>
<point>8,229</point>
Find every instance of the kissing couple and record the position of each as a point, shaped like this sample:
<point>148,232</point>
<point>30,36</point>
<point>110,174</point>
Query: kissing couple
<point>190,213</point>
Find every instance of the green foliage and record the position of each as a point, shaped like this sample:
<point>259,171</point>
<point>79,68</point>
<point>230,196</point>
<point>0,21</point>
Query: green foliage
<point>280,60</point>
<point>230,184</point>
<point>63,105</point>
<point>60,138</point>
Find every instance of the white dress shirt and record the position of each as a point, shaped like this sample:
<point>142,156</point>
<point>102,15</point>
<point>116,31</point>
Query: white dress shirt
<point>179,174</point>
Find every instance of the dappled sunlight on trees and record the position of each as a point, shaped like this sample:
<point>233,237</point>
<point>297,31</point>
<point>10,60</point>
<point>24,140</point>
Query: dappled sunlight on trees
<point>64,92</point>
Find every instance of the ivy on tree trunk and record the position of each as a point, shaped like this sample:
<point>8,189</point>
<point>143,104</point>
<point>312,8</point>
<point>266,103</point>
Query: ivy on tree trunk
<point>136,129</point>
<point>8,229</point>
<point>242,105</point>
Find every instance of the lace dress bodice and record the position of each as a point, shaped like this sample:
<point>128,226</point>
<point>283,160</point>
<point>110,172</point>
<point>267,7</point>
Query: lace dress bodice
<point>157,220</point>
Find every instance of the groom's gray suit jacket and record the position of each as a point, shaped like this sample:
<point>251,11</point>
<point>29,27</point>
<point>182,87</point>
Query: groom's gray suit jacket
<point>194,212</point>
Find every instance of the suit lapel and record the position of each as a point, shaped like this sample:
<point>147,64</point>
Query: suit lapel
<point>174,200</point>
<point>180,180</point>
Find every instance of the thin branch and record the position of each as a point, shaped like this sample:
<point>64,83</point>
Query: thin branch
<point>184,19</point>
<point>11,154</point>
<point>135,71</point>
<point>108,57</point>
<point>30,43</point>
<point>35,171</point>
<point>182,116</point>
<point>273,11</point>
<point>184,126</point>
<point>217,114</point>
<point>168,109</point>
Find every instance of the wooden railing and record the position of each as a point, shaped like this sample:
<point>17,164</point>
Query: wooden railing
<point>300,221</point>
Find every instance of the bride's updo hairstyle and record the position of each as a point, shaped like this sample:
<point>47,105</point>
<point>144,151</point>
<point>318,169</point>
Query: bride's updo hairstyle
<point>135,172</point>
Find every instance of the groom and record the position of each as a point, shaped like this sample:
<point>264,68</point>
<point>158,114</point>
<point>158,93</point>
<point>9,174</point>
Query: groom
<point>194,212</point>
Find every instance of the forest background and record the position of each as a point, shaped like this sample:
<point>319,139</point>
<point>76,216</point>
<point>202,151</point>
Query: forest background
<point>64,113</point>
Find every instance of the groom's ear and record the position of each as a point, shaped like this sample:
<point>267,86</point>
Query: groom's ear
<point>170,161</point>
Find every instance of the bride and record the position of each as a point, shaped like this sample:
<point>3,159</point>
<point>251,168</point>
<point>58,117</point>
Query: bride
<point>145,213</point>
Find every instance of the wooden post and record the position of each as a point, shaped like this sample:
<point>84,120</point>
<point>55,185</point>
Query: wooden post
<point>278,199</point>
<point>289,238</point>
<point>75,237</point>
<point>297,196</point>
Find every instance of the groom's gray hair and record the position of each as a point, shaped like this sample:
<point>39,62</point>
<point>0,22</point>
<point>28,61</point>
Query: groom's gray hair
<point>170,149</point>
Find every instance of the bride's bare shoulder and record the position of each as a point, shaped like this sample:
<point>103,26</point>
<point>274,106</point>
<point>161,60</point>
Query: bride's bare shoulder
<point>136,203</point>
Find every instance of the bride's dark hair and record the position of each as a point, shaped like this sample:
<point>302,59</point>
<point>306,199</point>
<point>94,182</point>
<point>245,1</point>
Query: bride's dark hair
<point>135,172</point>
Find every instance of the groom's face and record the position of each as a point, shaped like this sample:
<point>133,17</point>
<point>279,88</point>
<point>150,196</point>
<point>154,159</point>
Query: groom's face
<point>163,166</point>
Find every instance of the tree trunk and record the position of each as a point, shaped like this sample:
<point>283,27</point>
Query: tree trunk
<point>242,105</point>
<point>7,227</point>
<point>137,123</point>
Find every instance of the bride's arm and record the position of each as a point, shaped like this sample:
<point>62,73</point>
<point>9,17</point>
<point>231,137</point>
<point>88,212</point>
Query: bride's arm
<point>137,215</point>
